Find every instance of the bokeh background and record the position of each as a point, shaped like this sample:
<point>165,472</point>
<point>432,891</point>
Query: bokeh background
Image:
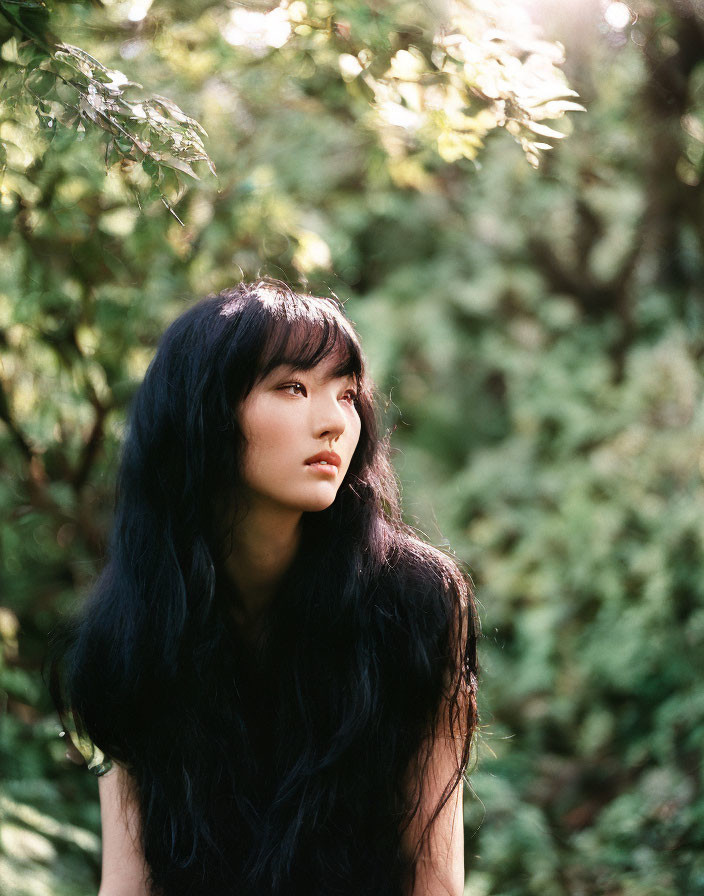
<point>532,316</point>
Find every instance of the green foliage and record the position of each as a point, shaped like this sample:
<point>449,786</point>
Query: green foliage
<point>547,383</point>
<point>536,336</point>
<point>443,80</point>
<point>449,76</point>
<point>49,85</point>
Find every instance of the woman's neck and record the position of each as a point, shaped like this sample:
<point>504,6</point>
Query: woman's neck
<point>264,545</point>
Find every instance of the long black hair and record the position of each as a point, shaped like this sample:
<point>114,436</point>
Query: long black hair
<point>282,769</point>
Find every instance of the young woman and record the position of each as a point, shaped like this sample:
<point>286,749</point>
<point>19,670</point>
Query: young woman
<point>273,677</point>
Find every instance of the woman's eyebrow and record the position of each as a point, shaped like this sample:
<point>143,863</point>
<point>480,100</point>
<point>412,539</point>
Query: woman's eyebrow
<point>291,370</point>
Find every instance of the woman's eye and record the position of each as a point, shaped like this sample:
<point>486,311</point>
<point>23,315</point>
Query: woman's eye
<point>300,389</point>
<point>298,386</point>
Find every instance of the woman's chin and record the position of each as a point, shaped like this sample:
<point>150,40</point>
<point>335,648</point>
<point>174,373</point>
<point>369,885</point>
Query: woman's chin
<point>316,503</point>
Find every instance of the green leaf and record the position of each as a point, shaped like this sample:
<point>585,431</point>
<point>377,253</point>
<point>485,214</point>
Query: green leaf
<point>29,54</point>
<point>40,82</point>
<point>151,167</point>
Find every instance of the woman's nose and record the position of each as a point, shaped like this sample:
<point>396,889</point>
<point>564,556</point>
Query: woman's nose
<point>329,420</point>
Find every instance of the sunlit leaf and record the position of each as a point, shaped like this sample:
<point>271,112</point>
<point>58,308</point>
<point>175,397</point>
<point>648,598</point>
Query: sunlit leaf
<point>543,130</point>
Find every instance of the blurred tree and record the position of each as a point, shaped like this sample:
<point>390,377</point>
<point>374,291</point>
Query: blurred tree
<point>434,74</point>
<point>538,335</point>
<point>320,120</point>
<point>551,426</point>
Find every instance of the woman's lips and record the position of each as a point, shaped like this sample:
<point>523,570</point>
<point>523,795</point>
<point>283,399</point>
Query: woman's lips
<point>328,469</point>
<point>330,456</point>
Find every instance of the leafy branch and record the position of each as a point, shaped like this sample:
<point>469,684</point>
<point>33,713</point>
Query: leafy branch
<point>432,75</point>
<point>69,87</point>
<point>449,76</point>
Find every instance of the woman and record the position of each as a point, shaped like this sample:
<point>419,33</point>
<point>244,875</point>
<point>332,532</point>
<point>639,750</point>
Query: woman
<point>274,676</point>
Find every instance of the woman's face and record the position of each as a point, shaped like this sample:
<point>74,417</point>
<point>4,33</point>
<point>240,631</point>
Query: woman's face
<point>287,419</point>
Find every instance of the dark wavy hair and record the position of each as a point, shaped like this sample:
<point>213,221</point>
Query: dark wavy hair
<point>259,771</point>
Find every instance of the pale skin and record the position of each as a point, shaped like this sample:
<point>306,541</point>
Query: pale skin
<point>287,418</point>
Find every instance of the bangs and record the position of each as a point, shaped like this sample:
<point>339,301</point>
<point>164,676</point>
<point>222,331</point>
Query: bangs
<point>305,330</point>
